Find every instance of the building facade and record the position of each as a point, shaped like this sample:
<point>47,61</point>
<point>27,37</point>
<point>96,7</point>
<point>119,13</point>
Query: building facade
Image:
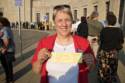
<point>41,10</point>
<point>86,7</point>
<point>11,10</point>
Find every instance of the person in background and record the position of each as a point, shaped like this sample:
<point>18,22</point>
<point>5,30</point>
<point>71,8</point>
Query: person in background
<point>62,42</point>
<point>111,40</point>
<point>75,26</point>
<point>105,24</point>
<point>94,29</point>
<point>82,29</point>
<point>1,14</point>
<point>7,50</point>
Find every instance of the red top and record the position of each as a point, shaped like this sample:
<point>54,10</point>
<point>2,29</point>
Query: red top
<point>81,44</point>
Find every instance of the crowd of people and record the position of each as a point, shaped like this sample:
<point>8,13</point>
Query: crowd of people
<point>43,25</point>
<point>105,48</point>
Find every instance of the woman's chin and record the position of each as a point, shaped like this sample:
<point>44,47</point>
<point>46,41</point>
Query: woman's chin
<point>65,34</point>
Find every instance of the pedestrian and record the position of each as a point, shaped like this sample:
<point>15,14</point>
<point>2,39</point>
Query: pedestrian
<point>82,29</point>
<point>47,25</point>
<point>7,49</point>
<point>17,25</point>
<point>27,25</point>
<point>75,26</point>
<point>32,25</point>
<point>1,14</point>
<point>13,25</point>
<point>94,28</point>
<point>62,42</point>
<point>111,40</point>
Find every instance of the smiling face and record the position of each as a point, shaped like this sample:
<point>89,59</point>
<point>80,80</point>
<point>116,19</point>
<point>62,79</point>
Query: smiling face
<point>63,23</point>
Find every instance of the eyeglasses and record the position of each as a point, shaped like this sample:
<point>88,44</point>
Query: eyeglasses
<point>61,7</point>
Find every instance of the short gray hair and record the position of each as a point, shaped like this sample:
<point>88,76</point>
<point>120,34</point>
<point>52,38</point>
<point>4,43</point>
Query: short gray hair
<point>65,8</point>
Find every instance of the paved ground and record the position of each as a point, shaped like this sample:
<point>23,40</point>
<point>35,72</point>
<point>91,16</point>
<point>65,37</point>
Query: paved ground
<point>22,67</point>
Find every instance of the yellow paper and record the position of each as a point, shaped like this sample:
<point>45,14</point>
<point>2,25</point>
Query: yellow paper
<point>65,57</point>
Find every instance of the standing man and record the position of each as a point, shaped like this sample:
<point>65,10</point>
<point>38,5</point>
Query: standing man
<point>82,29</point>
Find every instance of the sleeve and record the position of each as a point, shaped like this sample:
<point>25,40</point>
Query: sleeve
<point>89,53</point>
<point>101,38</point>
<point>78,30</point>
<point>5,34</point>
<point>121,37</point>
<point>39,46</point>
<point>85,30</point>
<point>87,50</point>
<point>89,58</point>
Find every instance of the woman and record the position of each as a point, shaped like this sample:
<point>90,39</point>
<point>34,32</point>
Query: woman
<point>62,41</point>
<point>111,40</point>
<point>7,50</point>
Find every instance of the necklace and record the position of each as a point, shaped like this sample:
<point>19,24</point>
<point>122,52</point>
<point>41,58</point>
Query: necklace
<point>64,48</point>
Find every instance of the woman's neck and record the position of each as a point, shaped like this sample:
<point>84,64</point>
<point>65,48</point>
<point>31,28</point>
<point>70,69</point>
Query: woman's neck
<point>64,40</point>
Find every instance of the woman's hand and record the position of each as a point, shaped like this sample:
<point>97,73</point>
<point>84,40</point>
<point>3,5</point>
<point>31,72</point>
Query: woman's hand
<point>43,55</point>
<point>89,60</point>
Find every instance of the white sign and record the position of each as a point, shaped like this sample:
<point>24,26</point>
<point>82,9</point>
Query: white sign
<point>18,2</point>
<point>66,58</point>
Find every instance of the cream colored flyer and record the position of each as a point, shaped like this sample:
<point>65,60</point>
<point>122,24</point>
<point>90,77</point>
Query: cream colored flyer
<point>65,57</point>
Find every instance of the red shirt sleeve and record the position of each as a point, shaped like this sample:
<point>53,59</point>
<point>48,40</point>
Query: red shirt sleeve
<point>89,51</point>
<point>85,46</point>
<point>39,46</point>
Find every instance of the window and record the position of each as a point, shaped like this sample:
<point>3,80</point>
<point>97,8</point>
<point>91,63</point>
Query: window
<point>1,11</point>
<point>96,8</point>
<point>85,12</point>
<point>75,15</point>
<point>107,6</point>
<point>47,17</point>
<point>37,17</point>
<point>122,12</point>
